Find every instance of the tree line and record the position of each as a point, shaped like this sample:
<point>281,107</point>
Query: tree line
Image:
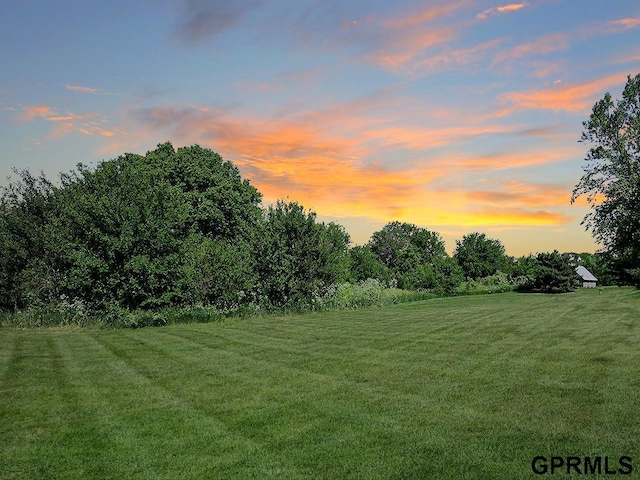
<point>182,228</point>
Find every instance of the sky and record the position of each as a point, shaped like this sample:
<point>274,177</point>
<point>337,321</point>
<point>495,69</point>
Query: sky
<point>458,116</point>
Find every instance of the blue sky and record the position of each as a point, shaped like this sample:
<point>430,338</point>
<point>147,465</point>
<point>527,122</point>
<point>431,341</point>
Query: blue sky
<point>458,116</point>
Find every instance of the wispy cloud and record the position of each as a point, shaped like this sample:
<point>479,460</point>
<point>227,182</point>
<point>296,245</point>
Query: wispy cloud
<point>510,7</point>
<point>78,88</point>
<point>404,43</point>
<point>397,53</point>
<point>90,90</point>
<point>65,122</point>
<point>542,46</point>
<point>626,23</point>
<point>453,58</point>
<point>201,20</point>
<point>29,112</point>
<point>576,97</point>
<point>509,160</point>
<point>34,144</point>
<point>424,14</point>
<point>521,194</point>
<point>627,57</point>
<point>426,138</point>
<point>611,27</point>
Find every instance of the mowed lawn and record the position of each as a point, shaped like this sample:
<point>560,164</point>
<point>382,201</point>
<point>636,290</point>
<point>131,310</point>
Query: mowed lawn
<point>465,387</point>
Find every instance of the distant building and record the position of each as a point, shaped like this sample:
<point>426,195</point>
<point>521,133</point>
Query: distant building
<point>588,280</point>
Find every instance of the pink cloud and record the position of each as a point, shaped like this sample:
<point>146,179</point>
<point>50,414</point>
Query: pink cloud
<point>398,52</point>
<point>456,57</point>
<point>424,14</point>
<point>403,41</point>
<point>511,7</point>
<point>627,23</point>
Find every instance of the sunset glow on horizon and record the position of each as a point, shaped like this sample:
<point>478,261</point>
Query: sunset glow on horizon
<point>458,116</point>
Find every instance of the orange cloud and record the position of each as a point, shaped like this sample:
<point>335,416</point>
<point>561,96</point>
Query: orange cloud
<point>93,128</point>
<point>523,194</point>
<point>502,203</point>
<point>570,98</point>
<point>326,161</point>
<point>511,7</point>
<point>65,123</point>
<point>424,138</point>
<point>511,217</point>
<point>504,160</point>
<point>50,114</point>
<point>31,112</point>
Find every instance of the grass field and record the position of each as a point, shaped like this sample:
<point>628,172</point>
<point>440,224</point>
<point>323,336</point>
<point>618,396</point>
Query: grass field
<point>464,387</point>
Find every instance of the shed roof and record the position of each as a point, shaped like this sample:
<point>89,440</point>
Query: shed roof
<point>585,274</point>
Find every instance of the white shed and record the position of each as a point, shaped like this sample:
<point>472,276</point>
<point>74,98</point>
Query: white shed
<point>588,280</point>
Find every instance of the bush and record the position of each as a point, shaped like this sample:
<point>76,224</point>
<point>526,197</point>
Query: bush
<point>363,294</point>
<point>370,292</point>
<point>551,273</point>
<point>498,283</point>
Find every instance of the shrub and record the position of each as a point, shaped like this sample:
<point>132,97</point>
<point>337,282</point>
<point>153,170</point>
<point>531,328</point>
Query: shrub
<point>552,273</point>
<point>364,293</point>
<point>498,283</point>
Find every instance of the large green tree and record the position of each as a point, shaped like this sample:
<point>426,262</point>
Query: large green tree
<point>479,256</point>
<point>298,257</point>
<point>27,271</point>
<point>611,179</point>
<point>132,231</point>
<point>365,264</point>
<point>399,244</point>
<point>554,273</point>
<point>416,257</point>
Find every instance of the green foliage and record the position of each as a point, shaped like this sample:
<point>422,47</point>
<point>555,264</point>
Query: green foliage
<point>552,273</point>
<point>611,179</point>
<point>128,232</point>
<point>600,265</point>
<point>416,258</point>
<point>525,266</point>
<point>364,264</point>
<point>366,293</point>
<point>449,275</point>
<point>299,258</point>
<point>398,245</point>
<point>218,273</point>
<point>497,283</point>
<point>26,207</point>
<point>479,256</point>
<point>179,231</point>
<point>363,294</point>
